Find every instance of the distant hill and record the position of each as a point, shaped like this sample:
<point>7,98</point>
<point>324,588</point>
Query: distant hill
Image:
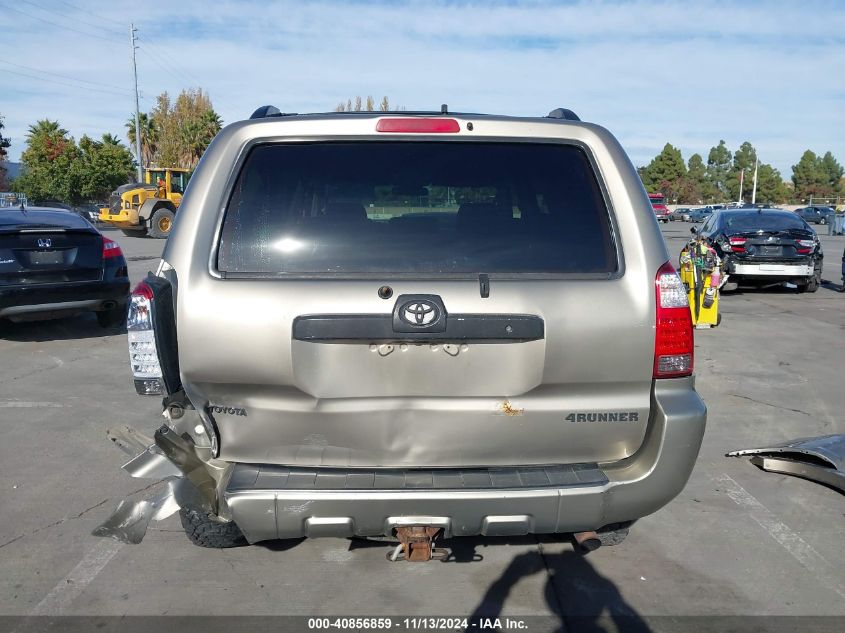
<point>13,170</point>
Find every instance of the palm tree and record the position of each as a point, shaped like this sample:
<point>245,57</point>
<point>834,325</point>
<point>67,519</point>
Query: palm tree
<point>48,135</point>
<point>111,139</point>
<point>149,137</point>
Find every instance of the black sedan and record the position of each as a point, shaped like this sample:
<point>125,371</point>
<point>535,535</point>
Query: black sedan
<point>54,263</point>
<point>762,247</point>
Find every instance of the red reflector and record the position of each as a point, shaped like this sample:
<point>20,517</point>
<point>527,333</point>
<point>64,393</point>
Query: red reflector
<point>673,337</point>
<point>143,290</point>
<point>418,126</point>
<point>111,249</point>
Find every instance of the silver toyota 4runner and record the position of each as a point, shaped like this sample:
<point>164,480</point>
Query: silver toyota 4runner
<point>413,325</point>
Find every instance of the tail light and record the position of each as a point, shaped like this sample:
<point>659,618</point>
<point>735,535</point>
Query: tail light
<point>111,249</point>
<point>804,247</point>
<point>418,125</point>
<point>152,338</point>
<point>737,244</point>
<point>673,338</point>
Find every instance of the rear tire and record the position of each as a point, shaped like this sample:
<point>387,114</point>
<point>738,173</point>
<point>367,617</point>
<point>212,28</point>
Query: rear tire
<point>811,286</point>
<point>113,317</point>
<point>161,223</point>
<point>134,232</point>
<point>204,530</point>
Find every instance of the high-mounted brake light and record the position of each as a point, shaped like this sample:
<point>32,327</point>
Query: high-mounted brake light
<point>673,337</point>
<point>418,125</point>
<point>111,249</point>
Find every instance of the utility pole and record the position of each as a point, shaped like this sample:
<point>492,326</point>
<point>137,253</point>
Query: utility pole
<point>132,39</point>
<point>754,190</point>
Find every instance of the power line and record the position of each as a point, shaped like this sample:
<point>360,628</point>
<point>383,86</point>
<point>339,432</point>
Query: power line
<point>56,24</point>
<point>159,62</point>
<point>47,72</point>
<point>63,83</point>
<point>66,15</point>
<point>86,11</point>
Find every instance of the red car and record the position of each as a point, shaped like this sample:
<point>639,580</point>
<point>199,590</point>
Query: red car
<point>658,203</point>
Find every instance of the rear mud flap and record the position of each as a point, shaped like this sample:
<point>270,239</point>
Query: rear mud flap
<point>171,459</point>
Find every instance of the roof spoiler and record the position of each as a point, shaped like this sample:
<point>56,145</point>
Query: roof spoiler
<point>563,113</point>
<point>268,111</point>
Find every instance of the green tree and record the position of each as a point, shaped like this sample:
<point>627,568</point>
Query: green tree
<point>833,172</point>
<point>718,169</point>
<point>101,167</point>
<point>4,145</point>
<point>46,163</point>
<point>149,137</point>
<point>698,188</point>
<point>181,129</point>
<point>810,178</point>
<point>666,173</point>
<point>384,106</point>
<point>744,161</point>
<point>770,185</point>
<point>54,167</point>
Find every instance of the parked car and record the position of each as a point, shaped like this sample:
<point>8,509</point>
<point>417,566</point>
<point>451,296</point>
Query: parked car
<point>399,327</point>
<point>765,246</point>
<point>679,215</point>
<point>814,214</point>
<point>658,203</point>
<point>90,211</point>
<point>54,263</point>
<point>699,215</point>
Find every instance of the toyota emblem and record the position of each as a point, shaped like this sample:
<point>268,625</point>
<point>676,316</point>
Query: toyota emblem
<point>419,313</point>
<point>44,242</point>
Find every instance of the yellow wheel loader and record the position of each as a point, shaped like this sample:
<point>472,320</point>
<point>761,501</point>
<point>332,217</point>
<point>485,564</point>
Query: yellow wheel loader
<point>147,208</point>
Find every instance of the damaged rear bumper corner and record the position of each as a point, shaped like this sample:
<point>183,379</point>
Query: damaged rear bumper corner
<point>190,482</point>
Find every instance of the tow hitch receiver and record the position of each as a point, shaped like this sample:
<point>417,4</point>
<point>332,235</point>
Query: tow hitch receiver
<point>416,545</point>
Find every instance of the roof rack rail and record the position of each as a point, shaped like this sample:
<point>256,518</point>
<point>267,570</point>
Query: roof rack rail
<point>267,111</point>
<point>563,113</point>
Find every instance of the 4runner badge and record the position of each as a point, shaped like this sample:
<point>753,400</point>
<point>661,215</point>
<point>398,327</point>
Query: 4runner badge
<point>624,416</point>
<point>213,408</point>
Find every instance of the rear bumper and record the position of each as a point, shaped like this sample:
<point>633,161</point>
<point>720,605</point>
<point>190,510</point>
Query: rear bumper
<point>70,297</point>
<point>509,502</point>
<point>772,269</point>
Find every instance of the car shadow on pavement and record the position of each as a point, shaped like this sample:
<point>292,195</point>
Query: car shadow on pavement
<point>69,328</point>
<point>582,599</point>
<point>280,545</point>
<point>575,592</point>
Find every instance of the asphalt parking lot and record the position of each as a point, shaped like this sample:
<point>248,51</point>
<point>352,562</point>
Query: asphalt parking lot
<point>737,541</point>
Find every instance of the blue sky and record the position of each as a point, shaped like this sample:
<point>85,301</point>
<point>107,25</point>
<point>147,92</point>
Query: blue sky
<point>689,73</point>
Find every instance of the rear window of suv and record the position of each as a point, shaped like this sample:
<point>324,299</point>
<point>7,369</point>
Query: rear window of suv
<point>416,207</point>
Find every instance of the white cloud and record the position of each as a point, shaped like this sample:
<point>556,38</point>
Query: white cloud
<point>652,72</point>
